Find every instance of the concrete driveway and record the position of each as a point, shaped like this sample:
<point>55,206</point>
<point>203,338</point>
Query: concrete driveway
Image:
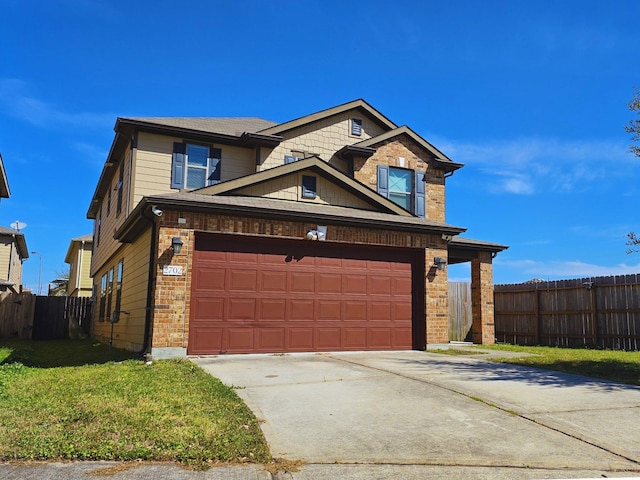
<point>428,413</point>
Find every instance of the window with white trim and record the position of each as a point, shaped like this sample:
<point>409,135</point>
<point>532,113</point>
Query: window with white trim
<point>195,166</point>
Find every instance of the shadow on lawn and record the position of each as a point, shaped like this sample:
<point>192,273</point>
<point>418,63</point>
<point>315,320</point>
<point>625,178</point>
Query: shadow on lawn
<point>60,353</point>
<point>584,373</point>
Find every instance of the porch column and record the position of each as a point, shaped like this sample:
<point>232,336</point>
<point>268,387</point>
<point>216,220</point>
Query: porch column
<point>437,297</point>
<point>483,329</point>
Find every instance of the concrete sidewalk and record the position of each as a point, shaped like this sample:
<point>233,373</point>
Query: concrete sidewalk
<point>424,411</point>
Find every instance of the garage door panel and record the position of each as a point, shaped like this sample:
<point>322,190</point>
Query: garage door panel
<point>269,295</point>
<point>355,311</point>
<point>270,339</point>
<point>354,338</point>
<point>242,280</point>
<point>241,309</point>
<point>302,282</point>
<point>272,281</point>
<point>206,339</point>
<point>327,338</point>
<point>210,279</point>
<point>272,309</point>
<point>328,310</point>
<point>354,284</point>
<point>239,340</point>
<point>329,282</point>
<point>401,285</point>
<point>380,311</point>
<point>301,310</point>
<point>378,285</point>
<point>380,338</point>
<point>208,308</point>
<point>300,339</point>
<point>401,337</point>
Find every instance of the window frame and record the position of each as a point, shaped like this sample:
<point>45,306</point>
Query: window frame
<point>309,191</point>
<point>180,165</point>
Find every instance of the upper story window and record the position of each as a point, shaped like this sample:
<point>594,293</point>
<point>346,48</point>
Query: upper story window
<point>195,166</point>
<point>404,187</point>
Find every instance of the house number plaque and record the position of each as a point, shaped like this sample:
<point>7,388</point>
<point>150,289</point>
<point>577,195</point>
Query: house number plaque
<point>172,270</point>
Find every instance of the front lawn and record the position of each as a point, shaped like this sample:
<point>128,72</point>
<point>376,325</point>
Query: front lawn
<point>79,400</point>
<point>614,365</point>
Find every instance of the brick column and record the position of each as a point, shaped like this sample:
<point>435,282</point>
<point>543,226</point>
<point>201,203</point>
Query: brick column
<point>483,329</point>
<point>437,298</point>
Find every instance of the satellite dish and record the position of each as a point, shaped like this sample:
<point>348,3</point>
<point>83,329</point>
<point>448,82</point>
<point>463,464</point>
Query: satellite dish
<point>18,225</point>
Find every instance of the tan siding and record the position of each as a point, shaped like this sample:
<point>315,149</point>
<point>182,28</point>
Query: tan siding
<point>129,331</point>
<point>16,267</point>
<point>153,164</point>
<point>5,255</point>
<point>85,273</point>
<point>323,138</point>
<point>289,188</point>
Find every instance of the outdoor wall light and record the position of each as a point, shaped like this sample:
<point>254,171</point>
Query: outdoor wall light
<point>319,233</point>
<point>440,263</point>
<point>176,245</point>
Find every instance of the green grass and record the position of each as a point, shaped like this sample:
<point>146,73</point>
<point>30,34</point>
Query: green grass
<point>614,365</point>
<point>79,401</point>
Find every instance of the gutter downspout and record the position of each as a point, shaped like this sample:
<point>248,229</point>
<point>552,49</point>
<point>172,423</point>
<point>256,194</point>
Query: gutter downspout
<point>146,347</point>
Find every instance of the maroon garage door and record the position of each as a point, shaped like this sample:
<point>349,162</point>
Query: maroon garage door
<point>264,295</point>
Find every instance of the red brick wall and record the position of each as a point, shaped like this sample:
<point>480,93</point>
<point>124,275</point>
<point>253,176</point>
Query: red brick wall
<point>482,329</point>
<point>366,171</point>
<point>172,300</point>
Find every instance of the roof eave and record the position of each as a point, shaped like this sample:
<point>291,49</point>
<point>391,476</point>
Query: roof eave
<point>136,223</point>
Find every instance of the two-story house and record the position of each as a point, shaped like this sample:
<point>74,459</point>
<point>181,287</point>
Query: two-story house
<point>13,247</point>
<point>237,235</point>
<point>79,283</point>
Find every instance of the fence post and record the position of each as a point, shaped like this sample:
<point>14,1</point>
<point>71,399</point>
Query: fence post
<point>538,317</point>
<point>594,317</point>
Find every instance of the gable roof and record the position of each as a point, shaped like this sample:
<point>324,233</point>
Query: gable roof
<point>18,237</point>
<point>359,105</point>
<point>312,163</point>
<point>78,240</point>
<point>4,184</point>
<point>440,158</point>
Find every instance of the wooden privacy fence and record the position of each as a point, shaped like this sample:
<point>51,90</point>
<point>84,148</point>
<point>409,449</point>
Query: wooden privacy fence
<point>459,312</point>
<point>28,316</point>
<point>601,312</point>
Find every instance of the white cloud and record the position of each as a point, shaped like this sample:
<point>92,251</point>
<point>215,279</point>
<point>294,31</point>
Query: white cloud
<point>530,165</point>
<point>17,102</point>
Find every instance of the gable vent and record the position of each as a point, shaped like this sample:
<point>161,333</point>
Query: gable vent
<point>356,126</point>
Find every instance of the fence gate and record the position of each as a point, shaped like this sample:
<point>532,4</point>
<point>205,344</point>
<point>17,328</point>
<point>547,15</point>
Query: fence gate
<point>53,315</point>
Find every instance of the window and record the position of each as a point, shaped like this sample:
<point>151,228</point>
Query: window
<point>109,201</point>
<point>195,166</point>
<point>119,187</point>
<point>308,186</point>
<point>356,126</point>
<point>103,297</point>
<point>403,187</point>
<point>109,294</point>
<point>118,287</point>
<point>97,224</point>
<point>291,159</point>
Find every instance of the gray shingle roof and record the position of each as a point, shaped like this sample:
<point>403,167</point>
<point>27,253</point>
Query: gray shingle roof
<point>224,125</point>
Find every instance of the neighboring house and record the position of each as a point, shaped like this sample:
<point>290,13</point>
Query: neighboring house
<point>13,247</point>
<point>237,235</point>
<point>78,257</point>
<point>13,251</point>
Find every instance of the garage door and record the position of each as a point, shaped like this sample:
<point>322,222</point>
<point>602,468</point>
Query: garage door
<point>264,295</point>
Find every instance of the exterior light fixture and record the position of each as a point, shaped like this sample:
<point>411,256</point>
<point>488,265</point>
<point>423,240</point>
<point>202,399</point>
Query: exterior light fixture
<point>176,245</point>
<point>319,233</point>
<point>440,263</point>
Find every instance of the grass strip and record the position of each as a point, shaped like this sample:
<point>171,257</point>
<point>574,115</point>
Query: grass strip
<point>170,410</point>
<point>614,365</point>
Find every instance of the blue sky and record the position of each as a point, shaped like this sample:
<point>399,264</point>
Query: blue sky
<point>530,96</point>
